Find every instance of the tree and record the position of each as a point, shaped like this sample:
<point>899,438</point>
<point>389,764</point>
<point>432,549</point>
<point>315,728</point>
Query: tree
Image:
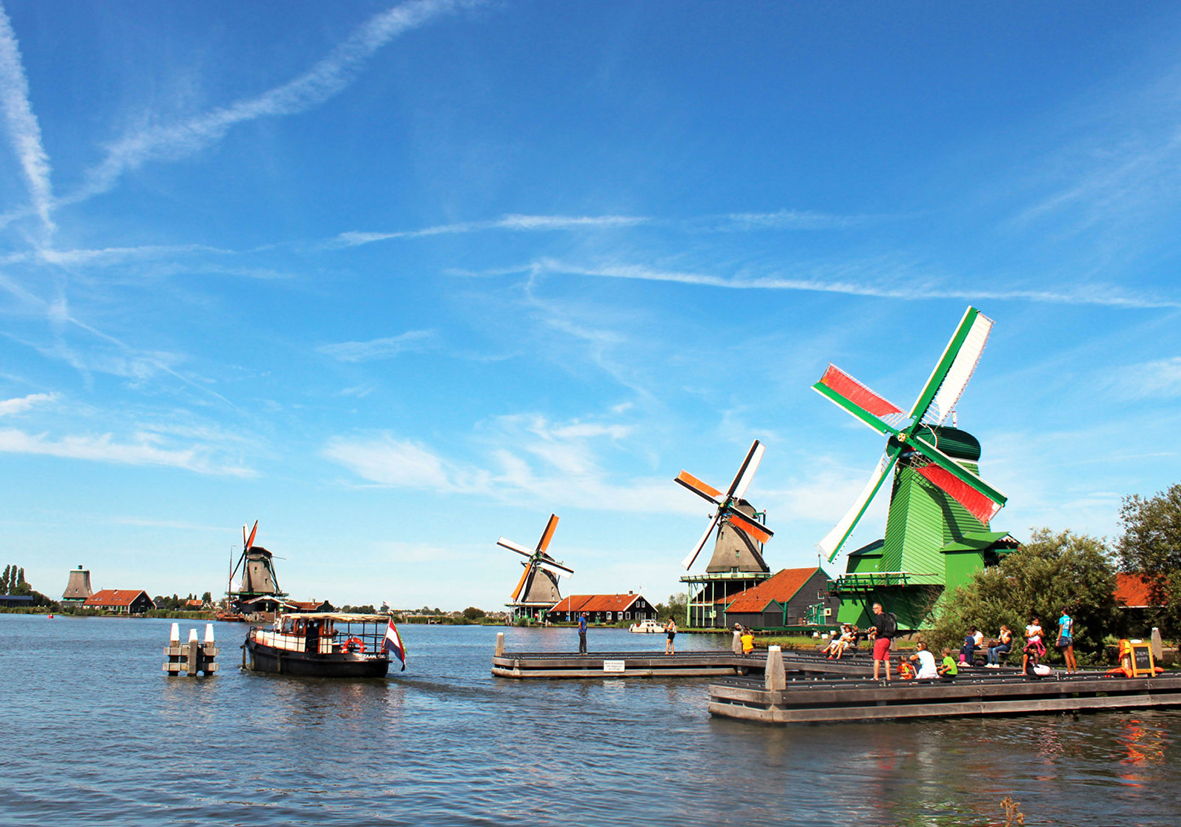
<point>675,607</point>
<point>472,613</point>
<point>207,598</point>
<point>1050,573</point>
<point>1151,547</point>
<point>4,579</point>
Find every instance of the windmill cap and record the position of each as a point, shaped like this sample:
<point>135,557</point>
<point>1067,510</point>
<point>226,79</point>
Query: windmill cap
<point>951,441</point>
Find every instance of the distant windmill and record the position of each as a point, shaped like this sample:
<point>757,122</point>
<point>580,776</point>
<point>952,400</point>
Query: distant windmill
<point>737,563</point>
<point>732,512</point>
<point>258,571</point>
<point>937,530</point>
<point>538,586</point>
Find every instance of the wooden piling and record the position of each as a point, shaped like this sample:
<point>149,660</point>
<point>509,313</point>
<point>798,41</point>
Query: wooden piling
<point>193,657</point>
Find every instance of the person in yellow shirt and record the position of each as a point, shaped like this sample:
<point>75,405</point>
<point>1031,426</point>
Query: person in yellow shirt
<point>748,641</point>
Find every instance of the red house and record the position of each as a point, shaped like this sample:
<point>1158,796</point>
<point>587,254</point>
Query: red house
<point>602,608</point>
<point>781,600</point>
<point>120,601</point>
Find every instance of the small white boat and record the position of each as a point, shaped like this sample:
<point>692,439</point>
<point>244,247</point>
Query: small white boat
<point>646,626</point>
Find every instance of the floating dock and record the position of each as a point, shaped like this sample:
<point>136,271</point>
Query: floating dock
<point>656,664</point>
<point>808,700</point>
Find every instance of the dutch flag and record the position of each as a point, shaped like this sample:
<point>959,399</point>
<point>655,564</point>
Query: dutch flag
<point>393,643</point>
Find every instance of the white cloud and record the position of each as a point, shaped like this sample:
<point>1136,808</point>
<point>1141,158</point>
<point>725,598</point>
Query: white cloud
<point>21,124</point>
<point>1151,380</point>
<point>387,348</point>
<point>320,83</point>
<point>105,448</point>
<point>520,223</point>
<point>1102,295</point>
<point>524,457</point>
<point>396,463</point>
<point>24,403</point>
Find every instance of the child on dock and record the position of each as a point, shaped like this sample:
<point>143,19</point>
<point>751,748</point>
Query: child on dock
<point>748,641</point>
<point>1034,648</point>
<point>948,670</point>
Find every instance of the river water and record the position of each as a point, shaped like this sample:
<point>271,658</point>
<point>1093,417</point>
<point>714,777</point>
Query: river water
<point>95,733</point>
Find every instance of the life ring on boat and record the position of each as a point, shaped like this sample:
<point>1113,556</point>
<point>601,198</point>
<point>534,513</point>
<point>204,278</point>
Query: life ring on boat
<point>353,644</point>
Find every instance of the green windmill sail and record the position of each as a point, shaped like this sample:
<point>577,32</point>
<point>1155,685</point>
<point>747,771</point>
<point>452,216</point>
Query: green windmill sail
<point>937,530</point>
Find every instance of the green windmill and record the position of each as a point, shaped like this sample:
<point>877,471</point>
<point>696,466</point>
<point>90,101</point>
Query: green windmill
<point>937,530</point>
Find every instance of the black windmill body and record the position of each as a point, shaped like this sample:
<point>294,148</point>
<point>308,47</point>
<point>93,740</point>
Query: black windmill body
<point>737,562</point>
<point>259,580</point>
<point>537,590</point>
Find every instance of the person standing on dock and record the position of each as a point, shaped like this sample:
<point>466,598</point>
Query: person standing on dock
<point>1066,640</point>
<point>671,629</point>
<point>885,626</point>
<point>582,634</point>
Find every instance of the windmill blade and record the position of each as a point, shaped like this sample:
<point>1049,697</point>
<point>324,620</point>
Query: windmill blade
<point>699,488</point>
<point>548,534</point>
<point>980,499</point>
<point>832,542</point>
<point>554,567</point>
<point>511,546</point>
<point>746,473</point>
<point>755,529</point>
<point>249,544</point>
<point>521,582</point>
<point>954,369</point>
<point>875,411</point>
<point>688,561</point>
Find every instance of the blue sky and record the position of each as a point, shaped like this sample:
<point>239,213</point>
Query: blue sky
<point>398,279</point>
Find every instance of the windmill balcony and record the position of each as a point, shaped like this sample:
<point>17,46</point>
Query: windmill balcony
<point>868,581</point>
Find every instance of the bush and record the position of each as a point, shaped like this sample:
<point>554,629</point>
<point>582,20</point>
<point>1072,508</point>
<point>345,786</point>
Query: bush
<point>1048,574</point>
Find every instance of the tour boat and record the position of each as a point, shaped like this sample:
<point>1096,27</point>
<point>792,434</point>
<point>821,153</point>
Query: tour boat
<point>324,645</point>
<point>647,625</point>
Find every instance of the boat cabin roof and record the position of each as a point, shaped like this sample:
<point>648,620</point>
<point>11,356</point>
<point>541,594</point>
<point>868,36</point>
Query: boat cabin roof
<point>339,617</point>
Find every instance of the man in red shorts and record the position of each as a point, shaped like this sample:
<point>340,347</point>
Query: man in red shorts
<point>885,626</point>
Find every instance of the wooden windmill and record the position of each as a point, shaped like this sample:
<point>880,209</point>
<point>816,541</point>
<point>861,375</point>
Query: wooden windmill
<point>737,562</point>
<point>258,576</point>
<point>537,590</point>
<point>937,531</point>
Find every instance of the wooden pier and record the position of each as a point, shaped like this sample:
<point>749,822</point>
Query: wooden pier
<point>656,664</point>
<point>803,700</point>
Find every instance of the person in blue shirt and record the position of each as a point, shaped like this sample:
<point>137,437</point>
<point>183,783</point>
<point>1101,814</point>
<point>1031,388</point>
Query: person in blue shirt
<point>1066,640</point>
<point>582,634</point>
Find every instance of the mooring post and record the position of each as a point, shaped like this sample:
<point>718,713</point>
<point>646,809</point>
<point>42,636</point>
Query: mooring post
<point>194,654</point>
<point>775,678</point>
<point>172,652</point>
<point>736,644</point>
<point>500,644</point>
<point>1158,647</point>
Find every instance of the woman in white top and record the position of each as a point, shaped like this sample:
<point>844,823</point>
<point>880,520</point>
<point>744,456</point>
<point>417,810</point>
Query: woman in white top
<point>927,668</point>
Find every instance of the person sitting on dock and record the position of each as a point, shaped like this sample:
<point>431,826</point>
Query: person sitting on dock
<point>748,641</point>
<point>839,644</point>
<point>968,650</point>
<point>1034,648</point>
<point>1003,645</point>
<point>948,670</point>
<point>927,669</point>
<point>885,627</point>
<point>670,629</point>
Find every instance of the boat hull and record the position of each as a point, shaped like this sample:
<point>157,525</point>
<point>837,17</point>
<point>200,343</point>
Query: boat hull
<point>263,658</point>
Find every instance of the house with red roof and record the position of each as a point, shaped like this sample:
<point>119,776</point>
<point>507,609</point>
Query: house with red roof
<point>120,601</point>
<point>782,600</point>
<point>602,608</point>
